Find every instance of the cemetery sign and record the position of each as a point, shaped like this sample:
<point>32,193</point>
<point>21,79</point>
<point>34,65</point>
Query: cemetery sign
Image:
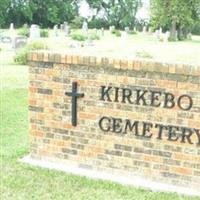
<point>132,119</point>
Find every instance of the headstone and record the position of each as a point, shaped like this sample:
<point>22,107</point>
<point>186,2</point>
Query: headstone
<point>144,30</point>
<point>124,35</point>
<point>111,28</point>
<point>150,30</point>
<point>62,27</point>
<point>160,30</point>
<point>34,31</point>
<point>102,31</point>
<point>66,28</point>
<point>25,25</point>
<point>85,27</point>
<point>55,30</point>
<point>176,35</point>
<point>166,36</point>
<point>189,36</point>
<point>89,42</point>
<point>11,27</point>
<point>6,39</point>
<point>19,42</point>
<point>127,29</point>
<point>157,34</point>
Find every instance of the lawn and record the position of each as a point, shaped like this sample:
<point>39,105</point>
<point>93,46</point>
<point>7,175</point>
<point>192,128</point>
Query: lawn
<point>139,45</point>
<point>22,181</point>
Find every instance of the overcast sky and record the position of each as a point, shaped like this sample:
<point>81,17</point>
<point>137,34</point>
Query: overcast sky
<point>143,13</point>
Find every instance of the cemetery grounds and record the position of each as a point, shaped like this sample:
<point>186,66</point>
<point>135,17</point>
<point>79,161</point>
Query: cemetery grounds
<point>22,181</point>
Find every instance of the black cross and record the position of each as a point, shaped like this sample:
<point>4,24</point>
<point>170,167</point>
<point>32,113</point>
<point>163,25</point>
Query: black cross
<point>74,96</point>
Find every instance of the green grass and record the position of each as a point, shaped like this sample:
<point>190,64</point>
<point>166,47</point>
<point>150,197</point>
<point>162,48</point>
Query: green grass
<point>21,181</point>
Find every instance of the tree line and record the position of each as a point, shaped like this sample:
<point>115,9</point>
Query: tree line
<point>178,16</point>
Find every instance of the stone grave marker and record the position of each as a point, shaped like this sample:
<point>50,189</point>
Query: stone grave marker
<point>144,30</point>
<point>66,28</point>
<point>19,42</point>
<point>62,27</point>
<point>55,30</point>
<point>34,31</point>
<point>102,31</point>
<point>85,27</point>
<point>11,29</point>
<point>189,36</point>
<point>160,31</point>
<point>126,29</point>
<point>166,36</point>
<point>6,39</point>
<point>111,28</point>
<point>157,34</point>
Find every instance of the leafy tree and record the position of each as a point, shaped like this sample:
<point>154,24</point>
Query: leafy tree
<point>176,15</point>
<point>42,12</point>
<point>49,12</point>
<point>120,13</point>
<point>3,10</point>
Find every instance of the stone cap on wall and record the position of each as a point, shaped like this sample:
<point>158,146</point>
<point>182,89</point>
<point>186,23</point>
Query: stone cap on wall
<point>145,65</point>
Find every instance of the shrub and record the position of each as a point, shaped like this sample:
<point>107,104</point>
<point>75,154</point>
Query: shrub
<point>44,33</point>
<point>98,23</point>
<point>116,32</point>
<point>113,31</point>
<point>24,31</point>
<point>77,22</point>
<point>78,37</point>
<point>132,32</point>
<point>94,36</point>
<point>143,54</point>
<point>21,56</point>
<point>196,29</point>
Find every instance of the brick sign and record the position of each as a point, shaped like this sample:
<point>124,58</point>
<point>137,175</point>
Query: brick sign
<point>130,118</point>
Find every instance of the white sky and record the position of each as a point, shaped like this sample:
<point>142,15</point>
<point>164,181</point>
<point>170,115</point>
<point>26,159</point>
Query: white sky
<point>143,13</point>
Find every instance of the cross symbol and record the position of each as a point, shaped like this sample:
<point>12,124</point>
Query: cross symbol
<point>74,96</point>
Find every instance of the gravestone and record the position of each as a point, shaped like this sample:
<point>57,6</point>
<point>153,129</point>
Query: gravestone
<point>112,28</point>
<point>189,36</point>
<point>55,30</point>
<point>66,28</point>
<point>102,31</point>
<point>144,30</point>
<point>166,36</point>
<point>126,29</point>
<point>89,41</point>
<point>160,30</point>
<point>62,27</point>
<point>34,31</point>
<point>11,29</point>
<point>124,35</point>
<point>19,42</point>
<point>6,39</point>
<point>158,35</point>
<point>85,27</point>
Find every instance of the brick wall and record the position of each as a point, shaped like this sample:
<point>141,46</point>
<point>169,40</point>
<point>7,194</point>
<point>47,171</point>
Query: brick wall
<point>117,146</point>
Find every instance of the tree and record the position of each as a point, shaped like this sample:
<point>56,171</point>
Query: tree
<point>120,13</point>
<point>49,12</point>
<point>42,12</point>
<point>176,15</point>
<point>4,4</point>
